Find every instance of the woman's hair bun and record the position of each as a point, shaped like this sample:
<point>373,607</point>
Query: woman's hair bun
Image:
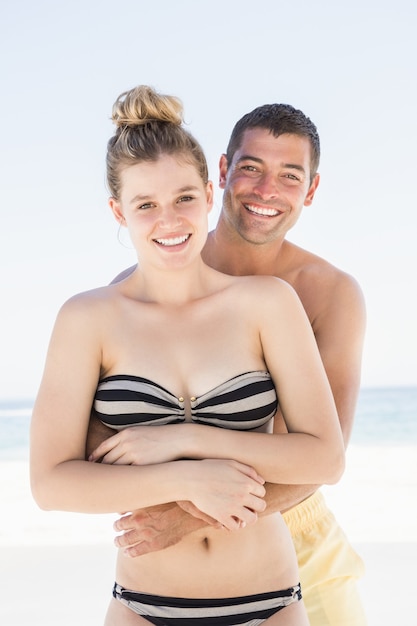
<point>143,104</point>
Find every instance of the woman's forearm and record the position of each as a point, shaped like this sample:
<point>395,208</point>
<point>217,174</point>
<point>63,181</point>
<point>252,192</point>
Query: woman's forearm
<point>84,487</point>
<point>293,458</point>
<point>227,491</point>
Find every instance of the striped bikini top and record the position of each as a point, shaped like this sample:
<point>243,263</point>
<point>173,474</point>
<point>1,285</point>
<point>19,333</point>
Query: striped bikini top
<point>245,402</point>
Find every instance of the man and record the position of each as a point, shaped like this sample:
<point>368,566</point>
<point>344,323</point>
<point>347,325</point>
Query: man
<point>268,174</point>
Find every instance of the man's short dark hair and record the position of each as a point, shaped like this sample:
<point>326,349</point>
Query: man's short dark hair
<point>278,119</point>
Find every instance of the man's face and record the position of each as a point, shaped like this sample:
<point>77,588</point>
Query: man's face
<point>266,185</point>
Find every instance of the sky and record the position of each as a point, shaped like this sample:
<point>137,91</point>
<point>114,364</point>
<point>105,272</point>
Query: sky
<point>350,66</point>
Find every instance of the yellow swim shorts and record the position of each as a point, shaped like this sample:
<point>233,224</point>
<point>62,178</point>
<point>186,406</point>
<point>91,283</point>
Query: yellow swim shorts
<point>329,566</point>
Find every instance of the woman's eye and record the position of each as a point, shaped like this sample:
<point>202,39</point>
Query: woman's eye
<point>185,199</point>
<point>146,205</point>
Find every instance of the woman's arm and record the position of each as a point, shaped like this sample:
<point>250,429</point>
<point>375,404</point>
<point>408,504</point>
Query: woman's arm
<point>61,478</point>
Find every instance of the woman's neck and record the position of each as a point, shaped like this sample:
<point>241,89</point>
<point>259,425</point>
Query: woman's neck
<point>172,287</point>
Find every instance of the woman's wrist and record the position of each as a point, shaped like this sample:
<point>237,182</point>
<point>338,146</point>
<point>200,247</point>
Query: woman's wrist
<point>185,475</point>
<point>195,441</point>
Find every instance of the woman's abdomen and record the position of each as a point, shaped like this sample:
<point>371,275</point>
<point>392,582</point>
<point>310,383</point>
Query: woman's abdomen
<point>217,563</point>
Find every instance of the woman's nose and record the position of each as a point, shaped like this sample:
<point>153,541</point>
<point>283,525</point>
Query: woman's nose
<point>169,216</point>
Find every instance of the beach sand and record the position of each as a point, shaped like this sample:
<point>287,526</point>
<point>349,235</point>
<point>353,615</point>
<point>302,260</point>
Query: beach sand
<point>58,568</point>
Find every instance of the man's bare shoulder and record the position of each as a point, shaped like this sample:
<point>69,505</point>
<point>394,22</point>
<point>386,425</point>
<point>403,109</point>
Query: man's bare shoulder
<point>318,282</point>
<point>124,274</point>
<point>306,266</point>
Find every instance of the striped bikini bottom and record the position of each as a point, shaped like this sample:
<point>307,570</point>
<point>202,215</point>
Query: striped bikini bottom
<point>243,610</point>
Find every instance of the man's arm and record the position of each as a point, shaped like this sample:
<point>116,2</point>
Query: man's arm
<point>339,328</point>
<point>340,332</point>
<point>159,527</point>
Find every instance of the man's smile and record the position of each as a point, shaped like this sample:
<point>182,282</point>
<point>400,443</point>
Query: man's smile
<point>258,210</point>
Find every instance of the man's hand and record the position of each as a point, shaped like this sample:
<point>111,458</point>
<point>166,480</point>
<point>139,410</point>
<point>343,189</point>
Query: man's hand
<point>158,527</point>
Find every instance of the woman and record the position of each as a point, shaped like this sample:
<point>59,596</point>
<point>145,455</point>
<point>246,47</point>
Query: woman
<point>188,364</point>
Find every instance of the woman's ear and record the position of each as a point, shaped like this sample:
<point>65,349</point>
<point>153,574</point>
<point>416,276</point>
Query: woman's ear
<point>117,210</point>
<point>210,196</point>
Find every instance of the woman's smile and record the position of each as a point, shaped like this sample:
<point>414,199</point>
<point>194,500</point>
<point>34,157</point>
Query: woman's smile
<point>170,242</point>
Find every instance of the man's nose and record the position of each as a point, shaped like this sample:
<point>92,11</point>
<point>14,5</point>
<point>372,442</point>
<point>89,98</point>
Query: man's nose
<point>267,186</point>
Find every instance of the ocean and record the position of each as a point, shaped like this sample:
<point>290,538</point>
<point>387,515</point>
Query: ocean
<point>384,416</point>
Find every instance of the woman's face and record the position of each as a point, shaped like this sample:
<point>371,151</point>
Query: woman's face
<point>164,205</point>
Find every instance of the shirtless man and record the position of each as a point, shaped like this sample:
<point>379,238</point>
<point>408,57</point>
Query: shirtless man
<point>268,174</point>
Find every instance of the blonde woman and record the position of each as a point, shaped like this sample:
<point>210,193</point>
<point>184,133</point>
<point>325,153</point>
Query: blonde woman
<point>188,366</point>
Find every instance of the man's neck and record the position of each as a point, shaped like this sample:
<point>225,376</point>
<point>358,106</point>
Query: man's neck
<point>231,254</point>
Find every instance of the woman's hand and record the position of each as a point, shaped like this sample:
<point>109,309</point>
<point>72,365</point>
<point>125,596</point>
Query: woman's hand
<point>228,491</point>
<point>192,510</point>
<point>142,445</point>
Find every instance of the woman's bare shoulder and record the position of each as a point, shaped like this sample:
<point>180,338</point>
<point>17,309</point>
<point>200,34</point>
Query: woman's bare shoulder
<point>265,295</point>
<point>87,305</point>
<point>265,286</point>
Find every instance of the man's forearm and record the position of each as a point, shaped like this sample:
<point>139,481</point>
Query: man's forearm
<point>283,497</point>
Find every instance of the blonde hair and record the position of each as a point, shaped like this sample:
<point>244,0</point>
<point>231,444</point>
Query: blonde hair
<point>149,124</point>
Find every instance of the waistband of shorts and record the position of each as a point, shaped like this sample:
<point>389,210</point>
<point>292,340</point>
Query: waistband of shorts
<point>304,515</point>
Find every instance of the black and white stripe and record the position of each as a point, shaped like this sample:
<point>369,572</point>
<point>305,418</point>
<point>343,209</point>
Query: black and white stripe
<point>245,402</point>
<point>250,610</point>
<point>123,400</point>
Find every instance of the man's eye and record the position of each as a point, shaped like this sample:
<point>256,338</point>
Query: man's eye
<point>250,170</point>
<point>292,177</point>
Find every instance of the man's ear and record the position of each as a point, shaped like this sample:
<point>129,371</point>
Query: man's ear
<point>117,210</point>
<point>222,171</point>
<point>312,190</point>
